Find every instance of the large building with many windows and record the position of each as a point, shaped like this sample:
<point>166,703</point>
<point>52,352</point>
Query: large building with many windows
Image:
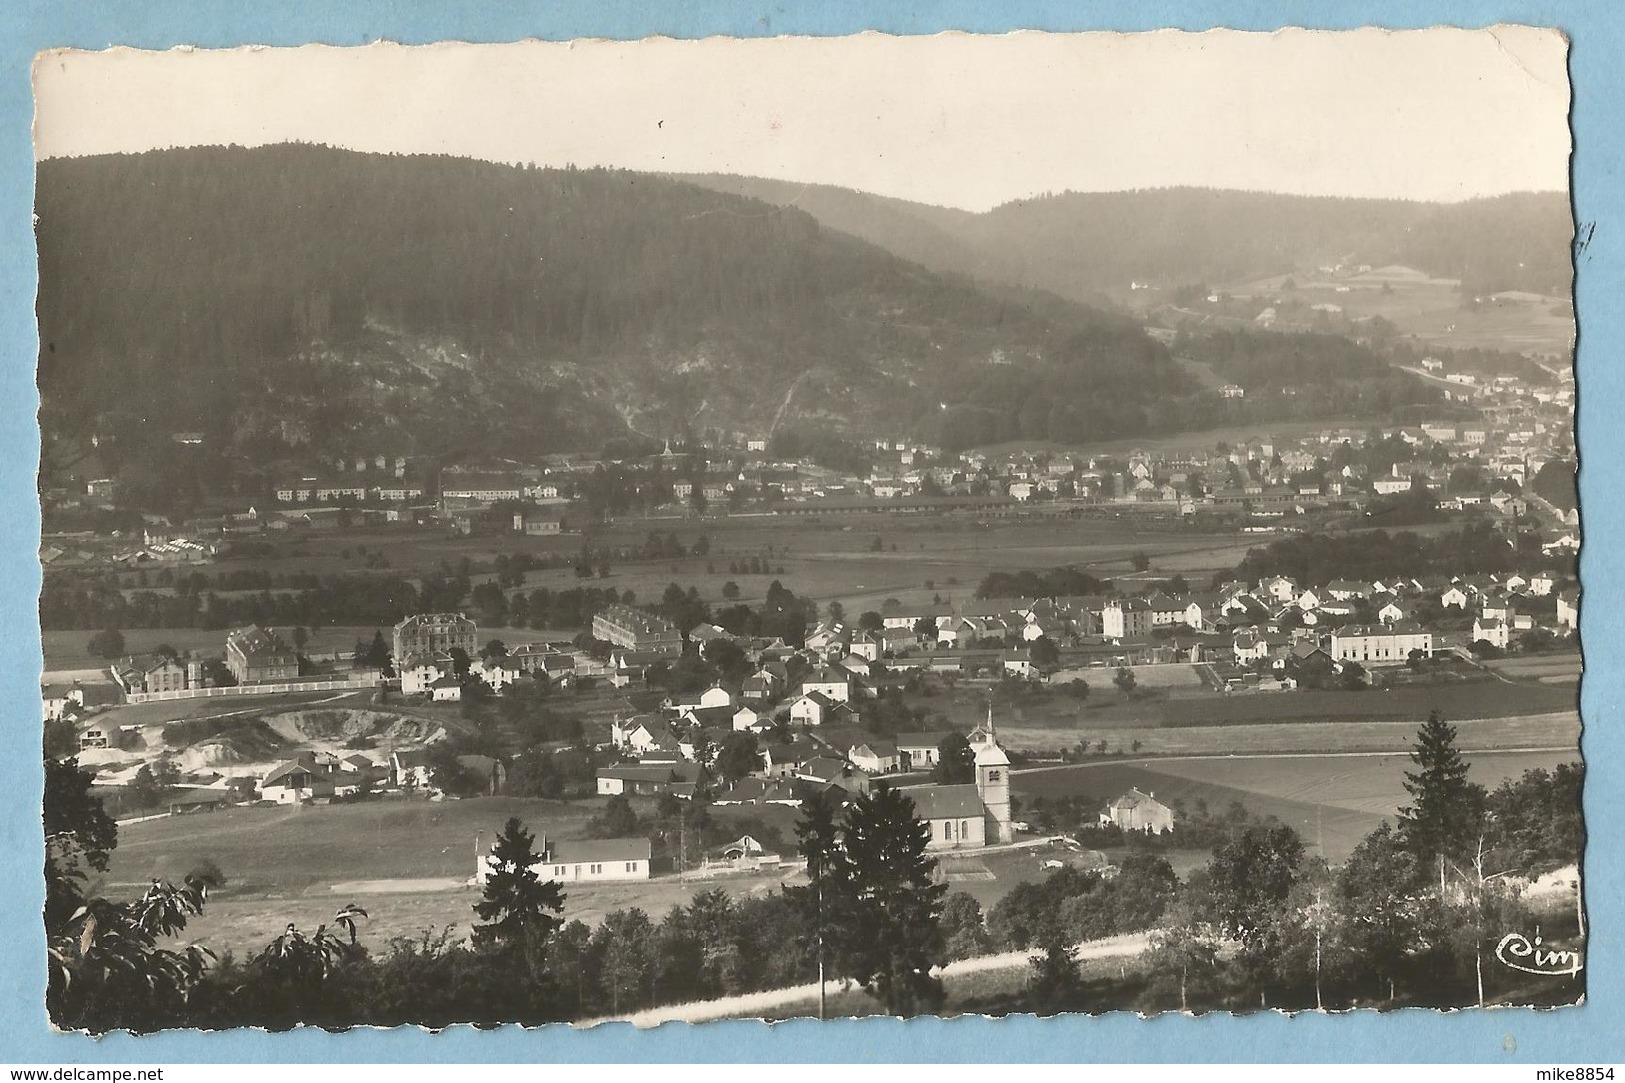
<point>1382,643</point>
<point>434,633</point>
<point>636,630</point>
<point>255,655</point>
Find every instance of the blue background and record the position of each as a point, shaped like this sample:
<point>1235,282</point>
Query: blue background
<point>1590,1034</point>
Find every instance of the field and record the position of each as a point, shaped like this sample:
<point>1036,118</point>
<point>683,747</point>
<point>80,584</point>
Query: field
<point>1432,311</point>
<point>404,861</point>
<point>1556,730</point>
<point>1333,801</point>
<point>1050,718</point>
<point>1547,668</point>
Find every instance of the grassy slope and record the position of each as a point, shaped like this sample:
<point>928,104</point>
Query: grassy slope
<point>1332,801</point>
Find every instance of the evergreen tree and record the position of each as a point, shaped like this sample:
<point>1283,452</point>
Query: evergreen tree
<point>819,905</point>
<point>896,909</point>
<point>518,905</point>
<point>956,763</point>
<point>1447,810</point>
<point>1056,982</point>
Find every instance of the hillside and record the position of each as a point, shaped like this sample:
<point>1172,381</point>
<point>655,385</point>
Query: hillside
<point>1079,244</point>
<point>297,301</point>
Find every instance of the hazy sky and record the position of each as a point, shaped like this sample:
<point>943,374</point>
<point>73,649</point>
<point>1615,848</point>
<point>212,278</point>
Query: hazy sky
<point>954,119</point>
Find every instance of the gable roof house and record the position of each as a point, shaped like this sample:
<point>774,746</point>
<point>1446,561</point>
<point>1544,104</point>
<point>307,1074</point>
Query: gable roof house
<point>1138,811</point>
<point>875,757</point>
<point>296,781</point>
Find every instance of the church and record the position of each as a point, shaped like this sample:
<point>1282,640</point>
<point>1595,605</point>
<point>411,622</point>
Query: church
<point>973,813</point>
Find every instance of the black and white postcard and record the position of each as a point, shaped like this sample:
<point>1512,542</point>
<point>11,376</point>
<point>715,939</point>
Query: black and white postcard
<point>808,527</point>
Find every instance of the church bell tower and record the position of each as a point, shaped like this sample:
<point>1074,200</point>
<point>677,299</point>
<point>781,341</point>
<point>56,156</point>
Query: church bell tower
<point>993,783</point>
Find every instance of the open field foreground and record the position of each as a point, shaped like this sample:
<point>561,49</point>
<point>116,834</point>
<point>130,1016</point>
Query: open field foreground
<point>407,862</point>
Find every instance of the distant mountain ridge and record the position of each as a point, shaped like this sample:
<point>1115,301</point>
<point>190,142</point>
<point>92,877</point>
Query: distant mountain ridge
<point>298,301</point>
<point>1079,245</point>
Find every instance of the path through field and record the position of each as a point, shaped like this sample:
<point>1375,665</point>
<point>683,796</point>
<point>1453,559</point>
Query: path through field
<point>747,1005</point>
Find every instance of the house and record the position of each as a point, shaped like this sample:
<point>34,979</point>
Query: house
<point>834,684</point>
<point>761,686</point>
<point>812,709</point>
<point>1279,588</point>
<point>1137,811</point>
<point>1568,609</point>
<point>409,768</point>
<point>1542,583</point>
<point>746,719</point>
<point>651,780</point>
<point>1250,646</point>
<point>1454,597</point>
<point>829,636</point>
<point>874,757</point>
<point>783,760</point>
<point>1492,630</point>
<point>536,523</point>
<point>642,735</point>
<point>579,861</point>
<point>150,673</point>
<point>447,689</point>
<point>1392,612</point>
<point>826,772</point>
<point>296,781</point>
<point>1390,644</point>
<point>1126,618</point>
<point>919,751</point>
<point>497,672</point>
<point>1166,611</point>
<point>418,672</point>
<point>60,701</point>
<point>759,791</point>
<point>715,696</point>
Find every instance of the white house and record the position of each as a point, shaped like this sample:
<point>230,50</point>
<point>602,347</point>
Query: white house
<point>589,860</point>
<point>811,709</point>
<point>830,682</point>
<point>420,672</point>
<point>746,719</point>
<point>1568,609</point>
<point>1492,630</point>
<point>499,673</point>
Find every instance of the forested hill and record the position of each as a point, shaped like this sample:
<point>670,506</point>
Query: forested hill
<point>1078,244</point>
<point>297,297</point>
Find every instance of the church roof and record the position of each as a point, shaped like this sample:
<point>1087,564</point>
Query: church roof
<point>989,754</point>
<point>946,802</point>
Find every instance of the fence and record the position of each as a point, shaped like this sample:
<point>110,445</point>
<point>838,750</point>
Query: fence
<point>369,679</point>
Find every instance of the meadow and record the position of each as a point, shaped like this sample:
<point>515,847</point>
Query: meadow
<point>405,861</point>
<point>1332,801</point>
<point>1559,730</point>
<point>1049,717</point>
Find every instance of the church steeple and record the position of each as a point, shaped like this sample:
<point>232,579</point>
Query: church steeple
<point>993,782</point>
